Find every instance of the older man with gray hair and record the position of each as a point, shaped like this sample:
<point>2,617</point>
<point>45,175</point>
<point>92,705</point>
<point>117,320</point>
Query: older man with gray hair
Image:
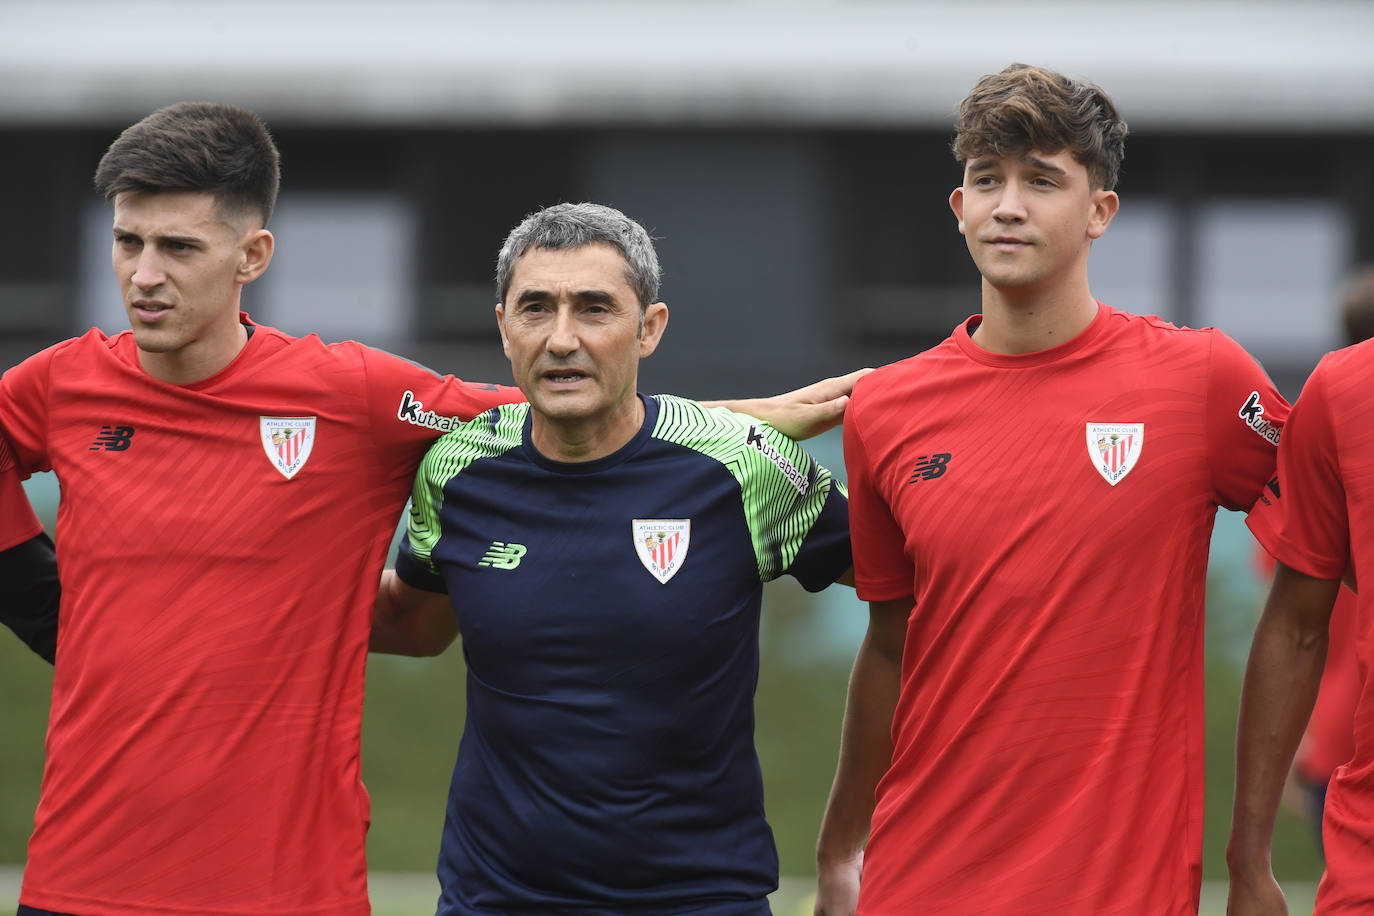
<point>605,553</point>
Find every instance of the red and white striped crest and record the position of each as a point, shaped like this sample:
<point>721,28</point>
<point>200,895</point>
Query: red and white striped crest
<point>288,442</point>
<point>661,544</point>
<point>1114,448</point>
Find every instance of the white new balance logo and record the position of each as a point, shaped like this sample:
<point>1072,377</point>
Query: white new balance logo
<point>503,555</point>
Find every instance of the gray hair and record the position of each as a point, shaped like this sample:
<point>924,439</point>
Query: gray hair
<point>574,225</point>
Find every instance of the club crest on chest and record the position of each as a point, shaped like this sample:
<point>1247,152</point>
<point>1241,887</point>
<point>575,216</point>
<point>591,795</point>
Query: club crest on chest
<point>661,544</point>
<point>1114,448</point>
<point>287,441</point>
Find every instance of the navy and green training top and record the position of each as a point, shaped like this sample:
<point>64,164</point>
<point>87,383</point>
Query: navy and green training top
<point>610,618</point>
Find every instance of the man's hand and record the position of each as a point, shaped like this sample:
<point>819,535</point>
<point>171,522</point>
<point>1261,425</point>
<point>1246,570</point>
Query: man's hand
<point>837,886</point>
<point>805,412</point>
<point>1259,896</point>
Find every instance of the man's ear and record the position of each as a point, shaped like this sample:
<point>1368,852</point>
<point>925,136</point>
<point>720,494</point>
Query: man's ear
<point>1105,205</point>
<point>501,325</point>
<point>956,203</point>
<point>256,253</point>
<point>651,332</point>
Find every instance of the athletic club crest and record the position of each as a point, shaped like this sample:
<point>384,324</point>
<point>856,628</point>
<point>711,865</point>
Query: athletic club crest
<point>1115,448</point>
<point>287,442</point>
<point>662,544</point>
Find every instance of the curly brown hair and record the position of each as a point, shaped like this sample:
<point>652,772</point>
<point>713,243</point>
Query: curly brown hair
<point>1027,108</point>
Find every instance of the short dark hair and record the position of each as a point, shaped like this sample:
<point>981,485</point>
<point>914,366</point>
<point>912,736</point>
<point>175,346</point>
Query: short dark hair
<point>1027,108</point>
<point>574,225</point>
<point>197,146</point>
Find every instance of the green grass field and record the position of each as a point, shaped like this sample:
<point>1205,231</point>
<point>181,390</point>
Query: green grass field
<point>413,894</point>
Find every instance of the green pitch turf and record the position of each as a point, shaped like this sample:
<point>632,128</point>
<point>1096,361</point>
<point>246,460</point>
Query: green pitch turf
<point>413,894</point>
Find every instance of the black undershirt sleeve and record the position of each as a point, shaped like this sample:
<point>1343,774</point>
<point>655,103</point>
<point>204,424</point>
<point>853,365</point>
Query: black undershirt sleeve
<point>30,594</point>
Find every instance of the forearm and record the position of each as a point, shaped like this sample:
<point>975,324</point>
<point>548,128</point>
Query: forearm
<point>1281,681</point>
<point>32,594</point>
<point>865,754</point>
<point>407,621</point>
<point>802,413</point>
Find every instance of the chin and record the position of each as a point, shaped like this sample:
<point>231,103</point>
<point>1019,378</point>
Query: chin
<point>150,341</point>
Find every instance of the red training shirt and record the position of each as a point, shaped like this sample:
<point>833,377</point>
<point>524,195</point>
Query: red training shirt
<point>1326,475</point>
<point>219,546</point>
<point>1051,513</point>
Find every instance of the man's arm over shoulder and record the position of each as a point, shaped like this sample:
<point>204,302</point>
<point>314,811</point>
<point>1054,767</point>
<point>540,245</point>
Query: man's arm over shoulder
<point>804,412</point>
<point>865,755</point>
<point>410,403</point>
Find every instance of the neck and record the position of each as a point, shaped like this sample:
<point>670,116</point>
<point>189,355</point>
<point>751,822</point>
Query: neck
<point>1016,321</point>
<point>198,360</point>
<point>586,439</point>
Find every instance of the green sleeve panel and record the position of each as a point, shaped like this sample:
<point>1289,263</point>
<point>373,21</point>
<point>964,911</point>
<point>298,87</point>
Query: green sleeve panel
<point>782,488</point>
<point>493,433</point>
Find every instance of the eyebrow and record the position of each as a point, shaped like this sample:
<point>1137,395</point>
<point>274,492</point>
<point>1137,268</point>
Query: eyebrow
<point>988,162</point>
<point>1044,165</point>
<point>161,239</point>
<point>585,295</point>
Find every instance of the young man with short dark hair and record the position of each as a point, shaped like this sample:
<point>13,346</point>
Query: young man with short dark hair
<point>1031,504</point>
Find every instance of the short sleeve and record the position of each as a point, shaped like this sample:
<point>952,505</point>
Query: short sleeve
<point>17,521</point>
<point>414,556</point>
<point>825,552</point>
<point>882,571</point>
<point>1315,534</point>
<point>24,410</point>
<point>1244,416</point>
<point>415,571</point>
<point>796,510</point>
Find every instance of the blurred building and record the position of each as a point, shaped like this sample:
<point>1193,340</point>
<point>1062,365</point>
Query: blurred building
<point>791,158</point>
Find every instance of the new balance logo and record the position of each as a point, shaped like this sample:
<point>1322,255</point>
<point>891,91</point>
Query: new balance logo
<point>1273,487</point>
<point>503,555</point>
<point>928,467</point>
<point>113,438</point>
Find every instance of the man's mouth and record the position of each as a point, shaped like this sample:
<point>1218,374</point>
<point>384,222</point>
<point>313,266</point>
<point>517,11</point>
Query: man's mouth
<point>150,309</point>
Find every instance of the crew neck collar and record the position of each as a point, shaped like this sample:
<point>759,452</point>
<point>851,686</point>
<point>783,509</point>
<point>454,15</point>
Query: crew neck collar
<point>596,465</point>
<point>963,336</point>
